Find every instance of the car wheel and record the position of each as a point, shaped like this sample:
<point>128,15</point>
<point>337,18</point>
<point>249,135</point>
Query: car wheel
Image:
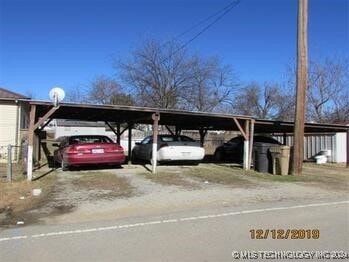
<point>218,155</point>
<point>64,166</point>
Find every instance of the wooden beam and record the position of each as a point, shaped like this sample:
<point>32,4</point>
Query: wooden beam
<point>111,127</point>
<point>169,130</point>
<point>45,117</point>
<point>240,128</point>
<point>123,131</point>
<point>46,123</point>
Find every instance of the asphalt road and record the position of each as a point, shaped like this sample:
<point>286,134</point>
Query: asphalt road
<point>197,235</point>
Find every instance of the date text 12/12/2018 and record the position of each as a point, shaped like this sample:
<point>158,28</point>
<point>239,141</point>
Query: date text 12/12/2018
<point>285,233</point>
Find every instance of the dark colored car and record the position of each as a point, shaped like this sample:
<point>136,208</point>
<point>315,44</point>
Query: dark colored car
<point>88,150</point>
<point>234,148</point>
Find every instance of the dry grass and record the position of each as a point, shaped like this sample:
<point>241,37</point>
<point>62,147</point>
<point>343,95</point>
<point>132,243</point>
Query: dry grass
<point>17,171</point>
<point>171,179</point>
<point>217,174</point>
<point>103,184</point>
<point>330,176</point>
<point>10,193</point>
<point>16,198</point>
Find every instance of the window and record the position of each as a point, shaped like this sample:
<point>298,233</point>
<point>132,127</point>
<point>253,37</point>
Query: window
<point>24,119</point>
<point>89,139</point>
<point>147,140</point>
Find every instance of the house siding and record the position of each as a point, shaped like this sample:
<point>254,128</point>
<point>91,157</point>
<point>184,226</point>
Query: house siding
<point>8,127</point>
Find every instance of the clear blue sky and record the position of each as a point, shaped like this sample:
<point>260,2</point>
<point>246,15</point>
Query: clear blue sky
<point>46,43</point>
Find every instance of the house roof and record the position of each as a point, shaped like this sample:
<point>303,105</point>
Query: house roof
<point>6,94</point>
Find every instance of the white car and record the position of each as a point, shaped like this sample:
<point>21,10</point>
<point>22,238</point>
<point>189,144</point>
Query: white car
<point>170,148</point>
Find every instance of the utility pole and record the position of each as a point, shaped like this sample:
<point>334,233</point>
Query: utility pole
<point>302,81</point>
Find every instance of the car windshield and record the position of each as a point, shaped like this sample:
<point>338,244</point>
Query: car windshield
<point>89,139</point>
<point>260,139</point>
<point>170,138</point>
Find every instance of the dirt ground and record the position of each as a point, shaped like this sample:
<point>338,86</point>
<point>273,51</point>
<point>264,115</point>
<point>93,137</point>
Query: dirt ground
<point>87,195</point>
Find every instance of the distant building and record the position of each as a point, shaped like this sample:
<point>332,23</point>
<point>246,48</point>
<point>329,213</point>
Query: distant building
<point>13,121</point>
<point>62,127</point>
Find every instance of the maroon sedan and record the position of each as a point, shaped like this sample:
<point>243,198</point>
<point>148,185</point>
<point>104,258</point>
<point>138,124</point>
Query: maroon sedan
<point>88,150</point>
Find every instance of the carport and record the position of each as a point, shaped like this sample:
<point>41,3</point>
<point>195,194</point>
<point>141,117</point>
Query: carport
<point>116,117</point>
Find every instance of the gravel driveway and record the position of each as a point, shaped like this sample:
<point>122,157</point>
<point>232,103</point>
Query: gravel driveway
<point>173,190</point>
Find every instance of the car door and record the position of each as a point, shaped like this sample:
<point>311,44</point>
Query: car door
<point>233,148</point>
<point>145,148</point>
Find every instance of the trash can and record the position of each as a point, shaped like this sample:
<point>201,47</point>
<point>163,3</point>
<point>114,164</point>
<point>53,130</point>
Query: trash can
<point>262,157</point>
<point>280,159</point>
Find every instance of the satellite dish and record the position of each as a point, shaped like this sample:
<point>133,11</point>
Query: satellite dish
<point>56,95</point>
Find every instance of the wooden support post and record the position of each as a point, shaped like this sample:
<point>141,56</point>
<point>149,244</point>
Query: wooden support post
<point>30,142</point>
<point>156,118</point>
<point>347,148</point>
<point>203,133</point>
<point>251,142</point>
<point>246,146</point>
<point>129,143</point>
<point>118,134</point>
<point>38,146</point>
<point>284,140</point>
<point>178,131</point>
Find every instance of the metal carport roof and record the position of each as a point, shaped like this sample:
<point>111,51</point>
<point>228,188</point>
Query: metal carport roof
<point>183,119</point>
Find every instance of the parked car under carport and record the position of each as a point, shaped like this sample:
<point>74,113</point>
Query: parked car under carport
<point>170,148</point>
<point>233,149</point>
<point>88,150</point>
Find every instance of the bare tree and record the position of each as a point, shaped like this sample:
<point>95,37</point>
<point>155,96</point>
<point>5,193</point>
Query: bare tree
<point>76,94</point>
<point>328,90</point>
<point>105,90</point>
<point>265,101</point>
<point>210,85</point>
<point>157,73</point>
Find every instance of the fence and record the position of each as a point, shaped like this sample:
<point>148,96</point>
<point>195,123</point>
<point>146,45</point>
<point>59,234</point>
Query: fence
<point>11,154</point>
<point>314,143</point>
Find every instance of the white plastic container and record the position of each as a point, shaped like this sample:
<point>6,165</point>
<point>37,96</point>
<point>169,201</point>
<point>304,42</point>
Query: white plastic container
<point>321,159</point>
